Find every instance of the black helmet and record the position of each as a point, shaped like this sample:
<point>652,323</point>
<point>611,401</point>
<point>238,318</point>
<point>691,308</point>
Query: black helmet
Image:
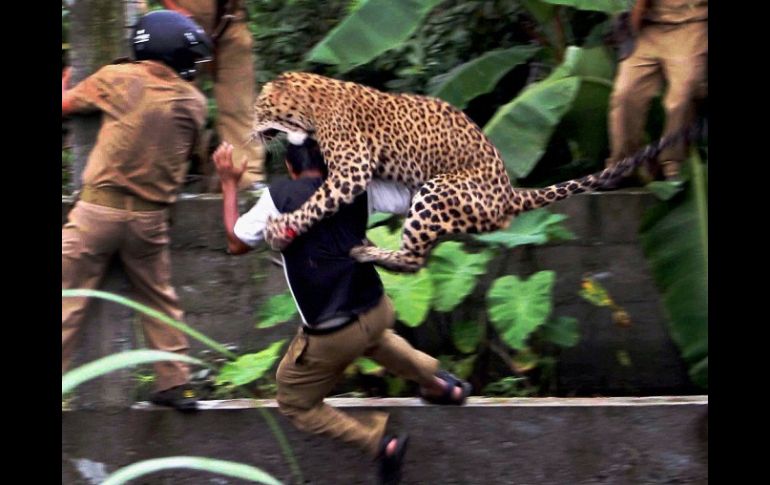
<point>172,38</point>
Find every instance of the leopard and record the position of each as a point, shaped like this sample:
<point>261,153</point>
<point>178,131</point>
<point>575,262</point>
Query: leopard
<point>456,175</point>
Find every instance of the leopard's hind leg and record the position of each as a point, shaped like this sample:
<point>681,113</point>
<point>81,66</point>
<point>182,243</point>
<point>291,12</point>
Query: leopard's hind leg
<point>447,204</point>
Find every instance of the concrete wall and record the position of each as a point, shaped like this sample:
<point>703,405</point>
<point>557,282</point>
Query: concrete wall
<point>490,441</point>
<point>221,293</point>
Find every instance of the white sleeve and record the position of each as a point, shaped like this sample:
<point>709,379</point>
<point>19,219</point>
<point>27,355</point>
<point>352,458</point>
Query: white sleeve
<point>250,227</point>
<point>388,196</point>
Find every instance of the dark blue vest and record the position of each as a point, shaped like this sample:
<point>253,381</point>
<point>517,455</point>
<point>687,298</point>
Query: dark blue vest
<point>325,281</point>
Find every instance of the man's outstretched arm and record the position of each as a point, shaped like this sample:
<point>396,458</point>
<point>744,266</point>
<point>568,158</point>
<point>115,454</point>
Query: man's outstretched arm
<point>229,176</point>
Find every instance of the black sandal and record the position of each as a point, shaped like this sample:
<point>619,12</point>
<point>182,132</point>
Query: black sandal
<point>390,466</point>
<point>446,397</point>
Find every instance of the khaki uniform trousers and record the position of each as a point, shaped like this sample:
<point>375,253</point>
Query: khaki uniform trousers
<point>314,363</point>
<point>234,91</point>
<point>676,53</point>
<point>234,87</point>
<point>91,236</point>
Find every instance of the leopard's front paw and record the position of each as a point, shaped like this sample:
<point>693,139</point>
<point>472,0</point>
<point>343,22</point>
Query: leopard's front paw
<point>278,235</point>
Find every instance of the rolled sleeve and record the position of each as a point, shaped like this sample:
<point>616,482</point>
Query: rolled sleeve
<point>90,93</point>
<point>250,227</point>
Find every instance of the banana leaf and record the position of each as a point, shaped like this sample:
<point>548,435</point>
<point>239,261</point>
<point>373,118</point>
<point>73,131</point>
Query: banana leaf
<point>222,467</point>
<point>374,27</point>
<point>606,6</point>
<point>674,236</point>
<point>479,76</point>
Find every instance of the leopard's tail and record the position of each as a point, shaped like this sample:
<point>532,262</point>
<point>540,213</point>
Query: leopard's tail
<point>528,199</point>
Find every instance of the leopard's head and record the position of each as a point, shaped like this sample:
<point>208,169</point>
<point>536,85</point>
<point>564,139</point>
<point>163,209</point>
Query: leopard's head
<point>283,106</point>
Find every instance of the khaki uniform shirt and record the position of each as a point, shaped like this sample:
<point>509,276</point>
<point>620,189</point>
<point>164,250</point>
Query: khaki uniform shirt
<point>151,120</point>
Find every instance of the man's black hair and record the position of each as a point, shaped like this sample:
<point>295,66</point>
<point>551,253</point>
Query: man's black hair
<point>306,157</point>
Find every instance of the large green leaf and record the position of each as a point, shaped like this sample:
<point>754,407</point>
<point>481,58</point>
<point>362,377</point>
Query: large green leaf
<point>374,27</point>
<point>594,63</point>
<point>586,121</point>
<point>466,335</point>
<point>250,367</point>
<point>454,273</point>
<point>517,307</point>
<point>384,238</point>
<point>113,362</point>
<point>278,309</point>
<point>221,467</point>
<point>368,366</point>
<point>411,294</point>
<point>522,128</point>
<point>606,6</point>
<point>534,227</point>
<point>479,76</point>
<point>576,92</point>
<point>674,236</point>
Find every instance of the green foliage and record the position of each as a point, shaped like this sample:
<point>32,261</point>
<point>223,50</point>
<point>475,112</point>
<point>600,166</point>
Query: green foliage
<point>517,307</point>
<point>113,362</point>
<point>509,387</point>
<point>368,366</point>
<point>466,335</point>
<point>461,367</point>
<point>411,294</point>
<point>238,372</point>
<point>674,237</point>
<point>221,467</point>
<point>454,273</point>
<point>278,309</point>
<point>151,312</point>
<point>533,227</point>
<point>522,128</point>
<point>250,367</point>
<point>478,76</point>
<point>606,6</point>
<point>374,27</point>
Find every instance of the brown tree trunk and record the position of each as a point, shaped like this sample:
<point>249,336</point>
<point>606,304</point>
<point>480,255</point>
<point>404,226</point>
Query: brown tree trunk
<point>98,33</point>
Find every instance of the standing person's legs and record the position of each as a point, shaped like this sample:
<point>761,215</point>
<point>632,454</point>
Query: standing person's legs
<point>89,238</point>
<point>234,91</point>
<point>146,258</point>
<point>638,80</point>
<point>684,65</point>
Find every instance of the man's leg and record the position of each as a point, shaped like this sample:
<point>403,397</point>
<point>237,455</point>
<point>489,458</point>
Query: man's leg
<point>308,372</point>
<point>234,91</point>
<point>400,358</point>
<point>147,263</point>
<point>87,243</point>
<point>684,65</point>
<point>638,80</point>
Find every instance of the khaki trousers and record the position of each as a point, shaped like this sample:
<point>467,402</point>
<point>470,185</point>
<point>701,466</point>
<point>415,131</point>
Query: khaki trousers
<point>234,87</point>
<point>675,53</point>
<point>314,363</point>
<point>234,91</point>
<point>91,236</point>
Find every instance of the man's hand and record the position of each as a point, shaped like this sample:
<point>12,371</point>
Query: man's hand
<point>65,81</point>
<point>223,161</point>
